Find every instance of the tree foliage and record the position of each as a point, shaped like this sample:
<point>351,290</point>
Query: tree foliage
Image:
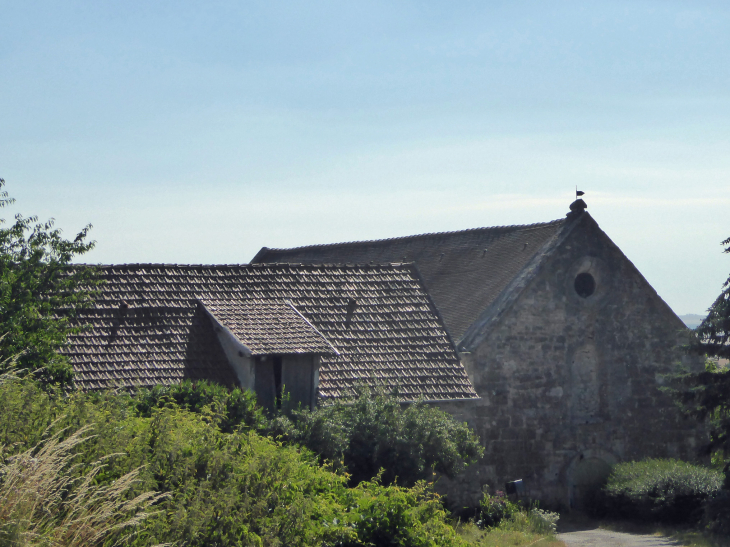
<point>713,334</point>
<point>40,292</point>
<point>706,395</point>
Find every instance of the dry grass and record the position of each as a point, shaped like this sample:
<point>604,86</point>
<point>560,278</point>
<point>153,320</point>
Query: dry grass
<point>496,537</point>
<point>46,499</point>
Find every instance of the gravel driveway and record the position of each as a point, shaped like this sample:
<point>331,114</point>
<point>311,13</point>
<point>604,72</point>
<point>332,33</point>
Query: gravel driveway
<point>606,538</point>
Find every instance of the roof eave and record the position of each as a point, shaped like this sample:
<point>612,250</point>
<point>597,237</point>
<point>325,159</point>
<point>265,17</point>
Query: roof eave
<point>481,327</point>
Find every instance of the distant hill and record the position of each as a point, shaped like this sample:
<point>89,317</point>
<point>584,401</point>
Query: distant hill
<point>692,320</point>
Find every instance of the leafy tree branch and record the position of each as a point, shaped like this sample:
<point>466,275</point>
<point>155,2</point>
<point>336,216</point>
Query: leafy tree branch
<point>40,292</point>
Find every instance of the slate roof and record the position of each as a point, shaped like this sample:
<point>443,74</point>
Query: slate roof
<point>464,271</point>
<point>161,333</point>
<point>269,327</point>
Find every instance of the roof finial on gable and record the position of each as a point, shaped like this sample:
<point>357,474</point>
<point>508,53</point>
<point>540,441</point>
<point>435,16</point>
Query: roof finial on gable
<point>578,206</point>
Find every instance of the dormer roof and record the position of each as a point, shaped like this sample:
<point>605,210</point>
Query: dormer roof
<point>268,327</point>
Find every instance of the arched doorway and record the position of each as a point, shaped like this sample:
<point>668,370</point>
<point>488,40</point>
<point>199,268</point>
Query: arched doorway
<point>586,474</point>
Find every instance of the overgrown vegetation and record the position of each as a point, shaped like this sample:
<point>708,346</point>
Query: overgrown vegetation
<point>371,435</point>
<point>493,509</point>
<point>222,487</point>
<point>501,521</point>
<point>374,432</point>
<point>193,464</point>
<point>43,500</point>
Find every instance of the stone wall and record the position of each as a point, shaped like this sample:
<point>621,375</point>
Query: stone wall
<point>569,381</point>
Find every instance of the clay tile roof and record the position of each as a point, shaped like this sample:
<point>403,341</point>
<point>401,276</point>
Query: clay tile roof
<point>269,327</point>
<point>148,326</point>
<point>464,271</point>
<point>146,346</point>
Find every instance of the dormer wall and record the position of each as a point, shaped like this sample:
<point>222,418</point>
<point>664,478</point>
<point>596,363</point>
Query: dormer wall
<point>239,357</point>
<point>291,377</point>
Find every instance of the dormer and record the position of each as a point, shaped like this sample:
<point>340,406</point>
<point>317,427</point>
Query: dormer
<point>273,349</point>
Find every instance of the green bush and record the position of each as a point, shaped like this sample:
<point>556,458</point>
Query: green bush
<point>375,432</point>
<point>393,515</point>
<point>660,490</point>
<point>229,409</point>
<point>498,511</point>
<point>494,509</point>
<point>531,520</point>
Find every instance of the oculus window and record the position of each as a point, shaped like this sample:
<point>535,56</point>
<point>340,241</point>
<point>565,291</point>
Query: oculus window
<point>585,284</point>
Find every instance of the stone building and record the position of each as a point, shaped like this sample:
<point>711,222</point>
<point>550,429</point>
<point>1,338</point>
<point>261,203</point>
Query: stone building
<point>565,342</point>
<point>544,338</point>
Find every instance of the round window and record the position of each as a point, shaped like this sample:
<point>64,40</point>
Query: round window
<point>584,285</point>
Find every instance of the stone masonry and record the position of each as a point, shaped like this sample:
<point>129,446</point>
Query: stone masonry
<point>570,382</point>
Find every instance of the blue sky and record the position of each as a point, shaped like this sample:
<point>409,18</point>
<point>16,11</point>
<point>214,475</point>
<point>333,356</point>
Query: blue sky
<point>198,132</point>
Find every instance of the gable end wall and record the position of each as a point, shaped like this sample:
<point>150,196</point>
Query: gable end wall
<point>563,379</point>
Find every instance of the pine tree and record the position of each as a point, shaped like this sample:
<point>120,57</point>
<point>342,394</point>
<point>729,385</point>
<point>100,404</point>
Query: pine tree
<point>713,335</point>
<point>706,395</point>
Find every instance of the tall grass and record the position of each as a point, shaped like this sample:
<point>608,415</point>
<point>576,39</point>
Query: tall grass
<point>46,499</point>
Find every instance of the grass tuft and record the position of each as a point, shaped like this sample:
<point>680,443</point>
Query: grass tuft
<point>46,499</point>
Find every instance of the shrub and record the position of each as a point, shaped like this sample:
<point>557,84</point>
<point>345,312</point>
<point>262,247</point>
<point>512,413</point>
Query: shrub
<point>531,520</point>
<point>26,412</point>
<point>494,509</point>
<point>660,490</point>
<point>229,409</point>
<point>396,516</point>
<point>498,511</point>
<point>375,431</point>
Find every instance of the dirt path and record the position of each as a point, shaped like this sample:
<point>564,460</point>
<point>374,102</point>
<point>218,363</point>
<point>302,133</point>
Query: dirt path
<point>606,538</point>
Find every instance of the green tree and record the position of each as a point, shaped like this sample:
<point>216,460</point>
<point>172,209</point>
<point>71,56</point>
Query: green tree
<point>40,293</point>
<point>713,335</point>
<point>706,395</point>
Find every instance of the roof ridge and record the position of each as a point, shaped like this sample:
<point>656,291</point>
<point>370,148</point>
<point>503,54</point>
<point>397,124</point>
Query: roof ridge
<point>282,265</point>
<point>416,236</point>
